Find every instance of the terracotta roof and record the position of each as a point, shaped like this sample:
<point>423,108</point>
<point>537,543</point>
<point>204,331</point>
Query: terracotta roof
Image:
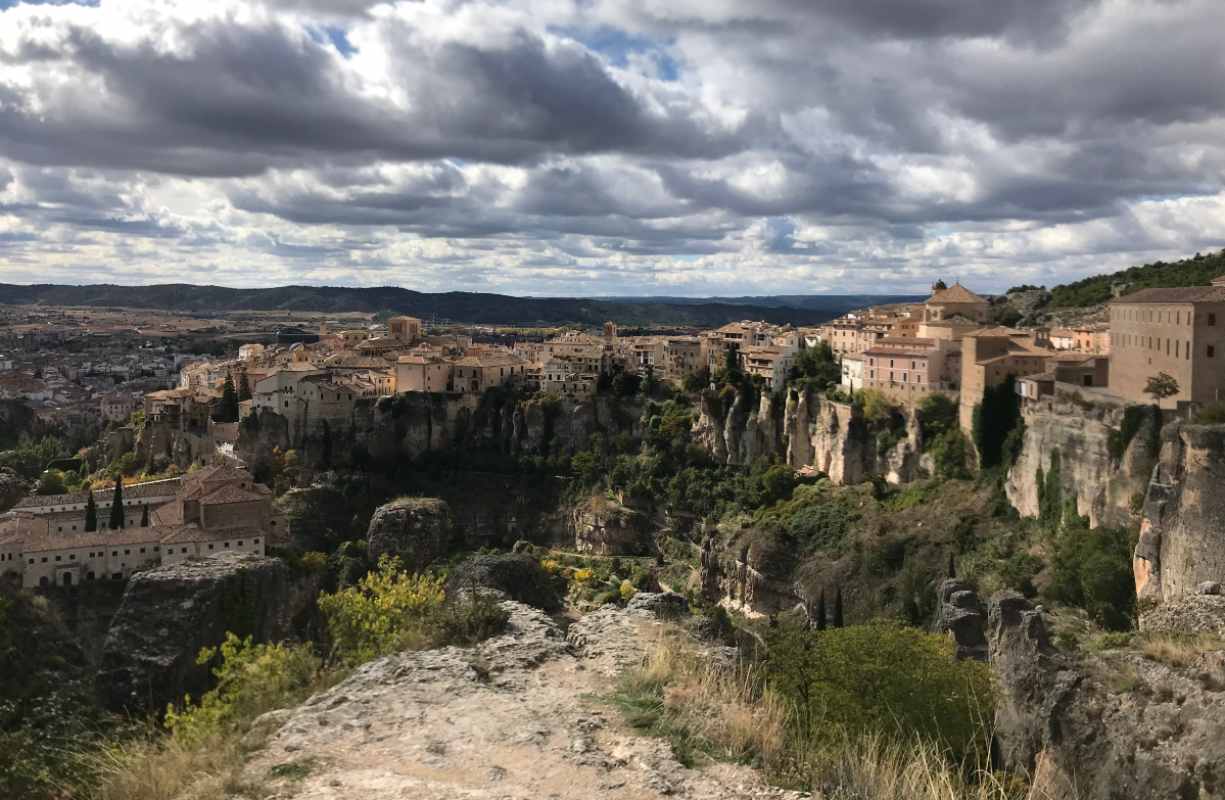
<point>955,294</point>
<point>110,538</point>
<point>136,491</point>
<point>1001,331</point>
<point>1182,294</point>
<point>230,494</point>
<point>192,533</point>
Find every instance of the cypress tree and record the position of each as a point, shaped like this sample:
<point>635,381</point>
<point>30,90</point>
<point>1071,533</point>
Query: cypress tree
<point>144,516</point>
<point>821,611</point>
<point>117,521</point>
<point>838,621</point>
<point>244,387</point>
<point>91,511</point>
<point>227,406</point>
<point>952,567</point>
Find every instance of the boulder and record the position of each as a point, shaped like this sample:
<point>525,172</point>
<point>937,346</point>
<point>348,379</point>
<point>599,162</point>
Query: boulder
<point>1208,587</point>
<point>420,530</point>
<point>664,605</point>
<point>516,575</point>
<point>1197,613</point>
<point>319,517</point>
<point>12,488</point>
<point>960,614</point>
<point>168,614</point>
<point>605,527</point>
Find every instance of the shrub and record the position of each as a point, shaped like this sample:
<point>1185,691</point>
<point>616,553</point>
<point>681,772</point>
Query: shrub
<point>884,679</point>
<point>251,679</point>
<point>937,416</point>
<point>1211,414</point>
<point>627,591</point>
<point>949,454</point>
<point>1092,569</point>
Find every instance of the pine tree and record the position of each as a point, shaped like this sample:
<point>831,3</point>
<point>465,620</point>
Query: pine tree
<point>227,406</point>
<point>144,516</point>
<point>91,511</point>
<point>838,621</point>
<point>821,611</point>
<point>244,387</point>
<point>117,521</point>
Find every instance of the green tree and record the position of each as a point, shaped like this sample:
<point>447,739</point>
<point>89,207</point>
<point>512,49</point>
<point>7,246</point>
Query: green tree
<point>144,516</point>
<point>821,611</point>
<point>51,482</point>
<point>117,519</point>
<point>994,418</point>
<point>226,409</point>
<point>244,387</point>
<point>91,511</point>
<point>881,678</point>
<point>1161,386</point>
<point>817,366</point>
<point>839,622</point>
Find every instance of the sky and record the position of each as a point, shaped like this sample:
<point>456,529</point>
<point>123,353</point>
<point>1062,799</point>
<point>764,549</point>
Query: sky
<point>608,147</point>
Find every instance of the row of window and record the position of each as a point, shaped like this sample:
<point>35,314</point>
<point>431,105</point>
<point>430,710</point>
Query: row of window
<point>1175,347</point>
<point>1163,316</point>
<point>128,552</point>
<point>906,376</point>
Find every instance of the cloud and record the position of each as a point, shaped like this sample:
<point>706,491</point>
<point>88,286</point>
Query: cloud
<point>609,146</point>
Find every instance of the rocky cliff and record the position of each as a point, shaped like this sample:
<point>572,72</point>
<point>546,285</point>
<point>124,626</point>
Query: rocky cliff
<point>168,614</point>
<point>517,716</point>
<point>1105,454</point>
<point>1104,727</point>
<point>417,530</point>
<point>605,527</point>
<point>808,429</point>
<point>1182,527</point>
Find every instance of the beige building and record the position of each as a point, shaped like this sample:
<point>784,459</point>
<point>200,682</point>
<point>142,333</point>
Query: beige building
<point>769,362</point>
<point>422,372</point>
<point>118,407</point>
<point>217,509</point>
<point>65,513</point>
<point>989,357</point>
<point>955,301</point>
<point>405,330</point>
<point>1177,331</point>
<point>682,357</point>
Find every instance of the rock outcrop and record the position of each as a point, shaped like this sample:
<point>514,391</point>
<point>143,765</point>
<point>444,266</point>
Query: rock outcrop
<point>319,517</point>
<point>517,716</point>
<point>1182,528</point>
<point>809,430</point>
<point>12,488</point>
<point>418,530</point>
<point>168,614</point>
<point>1199,613</point>
<point>517,576</point>
<point>1081,439</point>
<point>1114,726</point>
<point>961,614</point>
<point>607,528</point>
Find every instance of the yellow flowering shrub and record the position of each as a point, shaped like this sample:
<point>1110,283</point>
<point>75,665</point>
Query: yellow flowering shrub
<point>551,566</point>
<point>387,611</point>
<point>251,679</point>
<point>627,590</point>
<point>582,575</point>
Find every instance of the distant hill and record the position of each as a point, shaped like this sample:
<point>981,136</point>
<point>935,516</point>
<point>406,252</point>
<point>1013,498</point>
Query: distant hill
<point>1195,271</point>
<point>838,303</point>
<point>472,307</point>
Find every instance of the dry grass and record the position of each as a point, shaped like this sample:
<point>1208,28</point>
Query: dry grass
<point>164,768</point>
<point>1178,649</point>
<point>730,713</point>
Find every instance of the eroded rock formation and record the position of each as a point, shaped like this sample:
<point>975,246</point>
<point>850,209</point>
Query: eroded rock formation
<point>1117,725</point>
<point>168,614</point>
<point>607,528</point>
<point>417,530</point>
<point>1182,529</point>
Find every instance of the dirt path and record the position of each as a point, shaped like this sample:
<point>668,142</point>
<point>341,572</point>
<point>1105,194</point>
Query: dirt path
<point>517,718</point>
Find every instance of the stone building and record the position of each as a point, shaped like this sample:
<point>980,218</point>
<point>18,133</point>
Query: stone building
<point>1178,331</point>
<point>910,368</point>
<point>217,509</point>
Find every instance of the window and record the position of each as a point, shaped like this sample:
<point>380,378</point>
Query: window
<point>44,559</point>
<point>1211,318</point>
<point>1211,351</point>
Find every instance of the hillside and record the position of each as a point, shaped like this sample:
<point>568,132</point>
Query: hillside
<point>472,307</point>
<point>1195,271</point>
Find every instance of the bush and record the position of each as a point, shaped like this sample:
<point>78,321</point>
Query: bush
<point>949,454</point>
<point>937,416</point>
<point>1092,569</point>
<point>881,679</point>
<point>251,679</point>
<point>390,610</point>
<point>1211,414</point>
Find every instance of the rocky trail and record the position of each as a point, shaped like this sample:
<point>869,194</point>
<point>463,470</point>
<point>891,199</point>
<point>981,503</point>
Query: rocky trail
<point>521,716</point>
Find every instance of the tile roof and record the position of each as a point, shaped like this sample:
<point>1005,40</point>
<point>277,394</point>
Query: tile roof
<point>955,294</point>
<point>110,538</point>
<point>191,533</point>
<point>231,494</point>
<point>1181,294</point>
<point>165,487</point>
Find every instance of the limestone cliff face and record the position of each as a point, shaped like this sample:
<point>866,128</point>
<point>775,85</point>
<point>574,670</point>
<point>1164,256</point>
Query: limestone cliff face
<point>417,530</point>
<point>1079,434</point>
<point>607,528</point>
<point>1182,528</point>
<point>807,429</point>
<point>404,427</point>
<point>169,613</point>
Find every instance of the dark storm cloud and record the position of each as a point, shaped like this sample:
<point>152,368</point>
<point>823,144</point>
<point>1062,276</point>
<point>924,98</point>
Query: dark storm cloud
<point>242,99</point>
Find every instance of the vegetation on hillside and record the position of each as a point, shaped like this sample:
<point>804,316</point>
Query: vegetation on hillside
<point>1195,271</point>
